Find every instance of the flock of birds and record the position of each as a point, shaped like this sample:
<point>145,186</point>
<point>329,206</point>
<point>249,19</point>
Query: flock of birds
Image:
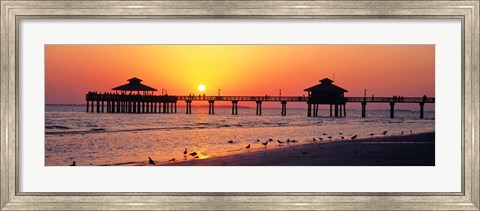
<point>330,137</point>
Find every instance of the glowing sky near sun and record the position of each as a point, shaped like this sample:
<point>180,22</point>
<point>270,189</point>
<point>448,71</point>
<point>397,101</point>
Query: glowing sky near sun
<point>384,70</point>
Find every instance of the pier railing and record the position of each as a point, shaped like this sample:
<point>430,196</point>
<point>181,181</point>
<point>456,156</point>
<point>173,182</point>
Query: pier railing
<point>161,98</point>
<point>93,96</point>
<point>305,99</point>
<point>391,99</point>
<point>245,98</point>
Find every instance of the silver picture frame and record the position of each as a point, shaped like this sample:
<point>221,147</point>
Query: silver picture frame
<point>13,11</point>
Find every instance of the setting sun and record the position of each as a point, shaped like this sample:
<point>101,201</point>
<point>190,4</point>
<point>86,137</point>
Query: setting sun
<point>201,87</point>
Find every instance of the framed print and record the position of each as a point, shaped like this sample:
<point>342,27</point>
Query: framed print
<point>250,105</point>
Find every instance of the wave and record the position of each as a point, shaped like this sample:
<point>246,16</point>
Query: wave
<point>91,128</point>
<point>57,127</point>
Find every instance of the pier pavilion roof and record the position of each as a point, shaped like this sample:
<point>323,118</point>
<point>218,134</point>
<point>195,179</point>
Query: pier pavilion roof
<point>134,84</point>
<point>326,86</point>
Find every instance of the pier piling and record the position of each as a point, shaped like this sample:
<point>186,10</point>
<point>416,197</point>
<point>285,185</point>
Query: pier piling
<point>309,109</point>
<point>364,109</point>
<point>188,106</point>
<point>392,109</point>
<point>259,108</point>
<point>421,109</point>
<point>98,106</point>
<point>234,107</point>
<point>284,108</point>
<point>211,108</point>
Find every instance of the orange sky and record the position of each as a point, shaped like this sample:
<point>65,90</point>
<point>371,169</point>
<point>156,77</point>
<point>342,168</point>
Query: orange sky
<point>384,70</point>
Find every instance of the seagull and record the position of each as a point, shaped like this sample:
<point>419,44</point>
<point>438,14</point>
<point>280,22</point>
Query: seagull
<point>343,137</point>
<point>401,132</point>
<point>293,141</point>
<point>325,134</point>
<point>371,135</point>
<point>354,137</point>
<point>314,139</point>
<point>247,147</point>
<point>340,133</point>
<point>185,154</point>
<point>230,142</point>
<point>193,153</point>
<point>330,137</point>
<point>280,142</point>
<point>265,144</point>
<point>321,139</point>
<point>258,140</point>
<point>150,161</point>
<point>73,164</point>
<point>171,160</point>
<point>385,132</point>
<point>410,131</point>
<point>270,139</point>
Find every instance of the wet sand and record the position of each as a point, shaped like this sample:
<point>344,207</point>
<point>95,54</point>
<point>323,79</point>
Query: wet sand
<point>407,150</point>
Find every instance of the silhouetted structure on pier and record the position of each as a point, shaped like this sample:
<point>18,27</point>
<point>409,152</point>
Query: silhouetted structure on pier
<point>326,93</point>
<point>144,100</point>
<point>134,84</point>
<point>127,101</point>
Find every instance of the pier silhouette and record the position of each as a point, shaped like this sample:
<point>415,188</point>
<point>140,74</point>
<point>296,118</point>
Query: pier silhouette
<point>138,98</point>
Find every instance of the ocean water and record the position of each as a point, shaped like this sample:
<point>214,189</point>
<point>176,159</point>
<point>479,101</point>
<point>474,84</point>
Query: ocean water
<point>71,134</point>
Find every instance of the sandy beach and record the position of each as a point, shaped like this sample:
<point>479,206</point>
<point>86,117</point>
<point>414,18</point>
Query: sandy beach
<point>406,150</point>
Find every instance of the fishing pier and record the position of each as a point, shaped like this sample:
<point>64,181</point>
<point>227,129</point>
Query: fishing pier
<point>136,97</point>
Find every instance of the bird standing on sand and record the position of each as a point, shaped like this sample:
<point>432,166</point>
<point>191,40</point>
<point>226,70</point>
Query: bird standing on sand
<point>321,139</point>
<point>247,147</point>
<point>150,161</point>
<point>343,137</point>
<point>280,142</point>
<point>270,139</point>
<point>371,135</point>
<point>73,164</point>
<point>193,153</point>
<point>314,139</point>
<point>258,140</point>
<point>185,152</point>
<point>401,132</point>
<point>324,134</point>
<point>230,142</point>
<point>265,144</point>
<point>385,132</point>
<point>330,137</point>
<point>171,160</point>
<point>354,137</point>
